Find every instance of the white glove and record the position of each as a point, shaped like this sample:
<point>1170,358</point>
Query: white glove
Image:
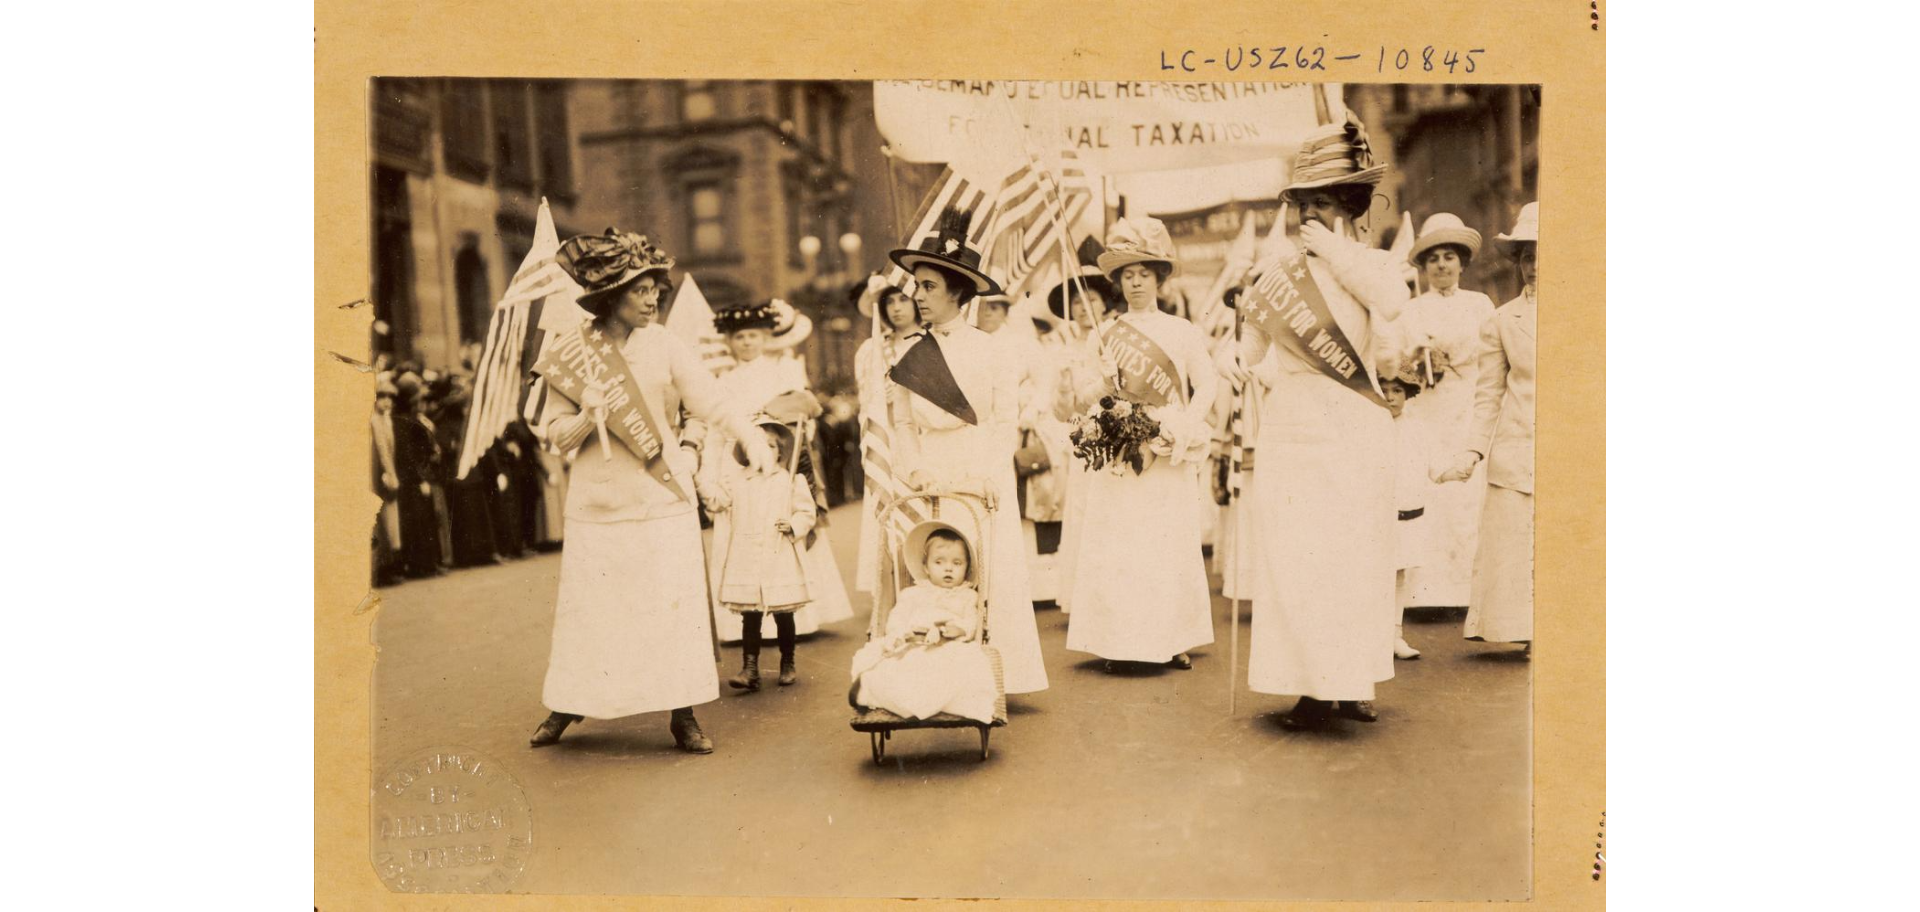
<point>1319,240</point>
<point>1461,469</point>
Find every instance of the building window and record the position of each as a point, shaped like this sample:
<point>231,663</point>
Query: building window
<point>556,151</point>
<point>463,116</point>
<point>471,291</point>
<point>835,114</point>
<point>696,100</point>
<point>403,124</point>
<point>706,219</point>
<point>512,135</point>
<point>392,263</point>
<point>817,126</point>
<point>795,196</point>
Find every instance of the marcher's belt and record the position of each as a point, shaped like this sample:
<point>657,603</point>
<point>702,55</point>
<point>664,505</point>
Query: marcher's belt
<point>1414,513</point>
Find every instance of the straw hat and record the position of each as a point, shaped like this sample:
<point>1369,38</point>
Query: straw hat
<point>916,545</point>
<point>1526,229</point>
<point>1335,154</point>
<point>1444,228</point>
<point>605,264</point>
<point>1137,239</point>
<point>947,247</point>
<point>790,326</point>
<point>868,292</point>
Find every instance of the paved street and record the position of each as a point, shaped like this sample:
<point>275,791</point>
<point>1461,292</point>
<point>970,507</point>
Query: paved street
<point>1122,786</point>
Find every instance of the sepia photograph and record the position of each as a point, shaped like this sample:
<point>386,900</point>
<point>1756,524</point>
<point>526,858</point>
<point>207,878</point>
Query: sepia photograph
<point>953,488</point>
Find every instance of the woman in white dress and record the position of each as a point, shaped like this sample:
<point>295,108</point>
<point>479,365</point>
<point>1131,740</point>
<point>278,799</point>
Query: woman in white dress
<point>898,317</point>
<point>760,376</point>
<point>631,628</point>
<point>1502,603</point>
<point>1447,318</point>
<point>1140,590</point>
<point>969,435</point>
<point>1324,609</point>
<point>1083,304</point>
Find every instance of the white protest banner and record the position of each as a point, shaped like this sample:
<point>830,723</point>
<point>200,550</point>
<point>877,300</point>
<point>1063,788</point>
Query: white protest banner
<point>1115,127</point>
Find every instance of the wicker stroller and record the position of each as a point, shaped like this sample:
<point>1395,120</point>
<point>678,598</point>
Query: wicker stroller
<point>968,512</point>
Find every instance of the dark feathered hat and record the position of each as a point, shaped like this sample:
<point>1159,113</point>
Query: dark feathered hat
<point>947,247</point>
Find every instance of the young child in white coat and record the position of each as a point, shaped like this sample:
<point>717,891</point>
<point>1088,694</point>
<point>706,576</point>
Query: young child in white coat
<point>1413,534</point>
<point>926,662</point>
<point>760,568</point>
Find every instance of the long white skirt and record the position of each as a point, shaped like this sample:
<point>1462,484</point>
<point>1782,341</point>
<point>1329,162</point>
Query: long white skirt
<point>1322,504</point>
<point>1445,577</point>
<point>867,565</point>
<point>1141,594</point>
<point>826,589</point>
<point>1502,606</point>
<point>971,453</point>
<point>1236,556</point>
<point>1043,570</point>
<point>631,632</point>
<point>1072,526</point>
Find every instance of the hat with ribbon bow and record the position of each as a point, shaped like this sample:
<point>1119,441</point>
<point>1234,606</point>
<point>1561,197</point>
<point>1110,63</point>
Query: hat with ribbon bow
<point>1336,154</point>
<point>1137,239</point>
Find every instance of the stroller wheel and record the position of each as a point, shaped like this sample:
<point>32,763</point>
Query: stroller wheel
<point>984,732</point>
<point>879,747</point>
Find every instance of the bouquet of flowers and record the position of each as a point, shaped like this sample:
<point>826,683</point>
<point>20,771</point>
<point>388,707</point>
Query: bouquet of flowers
<point>1112,433</point>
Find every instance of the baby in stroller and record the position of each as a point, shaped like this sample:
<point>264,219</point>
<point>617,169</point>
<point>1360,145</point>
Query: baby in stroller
<point>929,660</point>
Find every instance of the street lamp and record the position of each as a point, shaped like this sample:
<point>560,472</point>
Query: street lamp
<point>810,247</point>
<point>850,245</point>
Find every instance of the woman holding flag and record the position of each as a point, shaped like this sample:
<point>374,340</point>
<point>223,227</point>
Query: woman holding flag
<point>1140,582</point>
<point>895,317</point>
<point>1324,608</point>
<point>954,409</point>
<point>632,631</point>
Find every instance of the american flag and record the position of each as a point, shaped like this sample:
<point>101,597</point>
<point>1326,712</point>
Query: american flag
<point>1028,216</point>
<point>540,297</point>
<point>951,190</point>
<point>691,319</point>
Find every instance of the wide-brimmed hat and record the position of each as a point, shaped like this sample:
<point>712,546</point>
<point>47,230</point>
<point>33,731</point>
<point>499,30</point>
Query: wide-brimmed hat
<point>731,320</point>
<point>947,247</point>
<point>1096,282</point>
<point>604,264</point>
<point>1444,228</point>
<point>1335,154</point>
<point>916,545</point>
<point>790,326</point>
<point>787,440</point>
<point>1137,239</point>
<point>792,407</point>
<point>1526,229</point>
